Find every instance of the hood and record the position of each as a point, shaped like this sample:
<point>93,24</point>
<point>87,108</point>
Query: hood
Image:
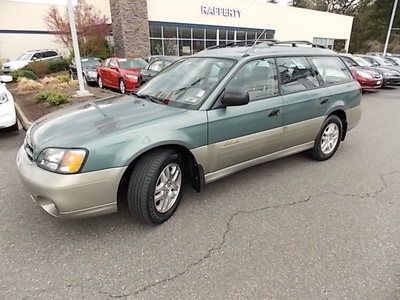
<point>367,70</point>
<point>385,70</point>
<point>81,125</point>
<point>90,68</point>
<point>131,71</point>
<point>16,64</point>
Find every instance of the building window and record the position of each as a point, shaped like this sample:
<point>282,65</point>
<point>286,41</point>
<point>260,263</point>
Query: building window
<point>173,39</point>
<point>327,43</point>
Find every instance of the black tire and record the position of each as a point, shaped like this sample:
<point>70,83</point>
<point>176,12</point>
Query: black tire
<point>142,184</point>
<point>14,127</point>
<point>316,152</point>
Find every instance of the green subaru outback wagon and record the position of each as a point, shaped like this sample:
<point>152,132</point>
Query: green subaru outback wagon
<point>203,118</point>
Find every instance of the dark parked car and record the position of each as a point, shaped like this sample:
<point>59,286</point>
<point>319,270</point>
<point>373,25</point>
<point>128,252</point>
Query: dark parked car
<point>381,62</point>
<point>366,76</point>
<point>156,66</point>
<point>89,69</point>
<point>390,77</point>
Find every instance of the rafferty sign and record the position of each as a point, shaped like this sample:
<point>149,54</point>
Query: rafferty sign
<point>220,11</point>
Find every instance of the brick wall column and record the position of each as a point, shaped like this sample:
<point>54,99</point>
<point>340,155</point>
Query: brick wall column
<point>130,27</point>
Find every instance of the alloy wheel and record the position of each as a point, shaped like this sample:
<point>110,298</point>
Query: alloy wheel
<point>330,138</point>
<point>168,187</point>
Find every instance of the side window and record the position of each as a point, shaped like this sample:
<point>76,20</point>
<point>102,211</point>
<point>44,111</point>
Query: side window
<point>37,55</point>
<point>157,66</point>
<point>331,70</point>
<point>107,63</point>
<point>113,63</point>
<point>348,62</point>
<point>51,54</point>
<point>296,75</point>
<point>258,77</point>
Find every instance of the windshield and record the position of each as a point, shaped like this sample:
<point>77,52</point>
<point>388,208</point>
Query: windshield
<point>362,62</point>
<point>127,63</point>
<point>24,57</point>
<point>188,82</point>
<point>91,62</point>
<point>383,61</point>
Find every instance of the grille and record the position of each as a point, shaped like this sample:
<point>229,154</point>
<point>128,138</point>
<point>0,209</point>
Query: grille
<point>29,150</point>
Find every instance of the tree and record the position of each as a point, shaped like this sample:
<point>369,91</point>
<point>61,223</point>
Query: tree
<point>92,28</point>
<point>347,7</point>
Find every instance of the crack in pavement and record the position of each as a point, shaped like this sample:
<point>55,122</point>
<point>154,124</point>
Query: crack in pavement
<point>217,248</point>
<point>228,229</point>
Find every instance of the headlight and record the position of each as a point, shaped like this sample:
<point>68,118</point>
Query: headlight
<point>3,98</point>
<point>134,77</point>
<point>92,73</point>
<point>364,74</point>
<point>65,161</point>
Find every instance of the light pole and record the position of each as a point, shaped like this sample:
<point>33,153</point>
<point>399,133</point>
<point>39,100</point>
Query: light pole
<point>390,27</point>
<point>81,92</point>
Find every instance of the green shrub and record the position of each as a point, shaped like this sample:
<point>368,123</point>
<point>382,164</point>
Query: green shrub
<point>58,65</point>
<point>63,78</point>
<point>23,73</point>
<point>54,98</point>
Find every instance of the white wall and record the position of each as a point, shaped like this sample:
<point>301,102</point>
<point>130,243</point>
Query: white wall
<point>288,22</point>
<point>29,16</point>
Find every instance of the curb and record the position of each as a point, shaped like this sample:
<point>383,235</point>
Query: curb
<point>22,117</point>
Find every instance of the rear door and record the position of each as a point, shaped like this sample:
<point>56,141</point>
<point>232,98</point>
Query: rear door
<point>304,101</point>
<point>238,134</point>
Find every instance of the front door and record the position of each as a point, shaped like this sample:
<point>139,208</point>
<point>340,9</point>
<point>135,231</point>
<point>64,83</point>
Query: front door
<point>238,134</point>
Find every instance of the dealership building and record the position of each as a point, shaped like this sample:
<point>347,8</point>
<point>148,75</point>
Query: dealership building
<point>176,27</point>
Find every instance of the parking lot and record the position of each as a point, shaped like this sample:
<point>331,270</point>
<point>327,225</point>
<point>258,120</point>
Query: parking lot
<point>290,229</point>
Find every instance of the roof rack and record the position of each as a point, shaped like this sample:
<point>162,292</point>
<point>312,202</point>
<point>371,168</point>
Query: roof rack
<point>268,42</point>
<point>294,43</point>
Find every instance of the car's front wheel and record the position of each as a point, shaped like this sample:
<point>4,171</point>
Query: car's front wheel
<point>156,185</point>
<point>328,139</point>
<point>122,87</point>
<point>100,82</point>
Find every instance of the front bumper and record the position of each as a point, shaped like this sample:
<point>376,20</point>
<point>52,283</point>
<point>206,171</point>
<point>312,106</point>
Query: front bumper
<point>7,115</point>
<point>70,196</point>
<point>391,81</point>
<point>131,85</point>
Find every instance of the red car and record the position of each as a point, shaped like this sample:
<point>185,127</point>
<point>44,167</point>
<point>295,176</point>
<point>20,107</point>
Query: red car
<point>120,73</point>
<point>367,77</point>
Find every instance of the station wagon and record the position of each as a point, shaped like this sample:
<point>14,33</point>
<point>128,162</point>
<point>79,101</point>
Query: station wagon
<point>203,118</point>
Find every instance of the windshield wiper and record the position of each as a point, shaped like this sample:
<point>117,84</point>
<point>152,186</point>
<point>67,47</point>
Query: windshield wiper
<point>189,86</point>
<point>150,98</point>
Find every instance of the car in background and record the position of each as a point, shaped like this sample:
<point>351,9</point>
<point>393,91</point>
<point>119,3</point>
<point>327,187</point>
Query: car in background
<point>390,77</point>
<point>155,66</point>
<point>89,69</point>
<point>30,56</point>
<point>381,62</point>
<point>120,73</point>
<point>393,59</point>
<point>8,118</point>
<point>366,76</point>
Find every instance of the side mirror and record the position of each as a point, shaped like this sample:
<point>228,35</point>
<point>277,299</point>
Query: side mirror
<point>5,78</point>
<point>375,64</point>
<point>235,98</point>
<point>34,59</point>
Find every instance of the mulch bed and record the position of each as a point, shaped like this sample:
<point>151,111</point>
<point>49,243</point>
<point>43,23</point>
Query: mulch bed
<point>34,110</point>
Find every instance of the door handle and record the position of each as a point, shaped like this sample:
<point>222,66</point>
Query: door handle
<point>324,100</point>
<point>274,112</point>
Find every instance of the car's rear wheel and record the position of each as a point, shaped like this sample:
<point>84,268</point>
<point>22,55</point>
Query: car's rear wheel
<point>122,87</point>
<point>156,185</point>
<point>328,139</point>
<point>100,82</point>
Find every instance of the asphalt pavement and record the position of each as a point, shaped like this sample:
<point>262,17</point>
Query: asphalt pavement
<point>290,229</point>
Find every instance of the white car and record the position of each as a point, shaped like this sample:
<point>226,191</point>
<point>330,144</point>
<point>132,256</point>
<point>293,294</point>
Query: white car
<point>28,57</point>
<point>8,117</point>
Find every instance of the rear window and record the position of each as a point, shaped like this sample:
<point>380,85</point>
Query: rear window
<point>331,70</point>
<point>296,75</point>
